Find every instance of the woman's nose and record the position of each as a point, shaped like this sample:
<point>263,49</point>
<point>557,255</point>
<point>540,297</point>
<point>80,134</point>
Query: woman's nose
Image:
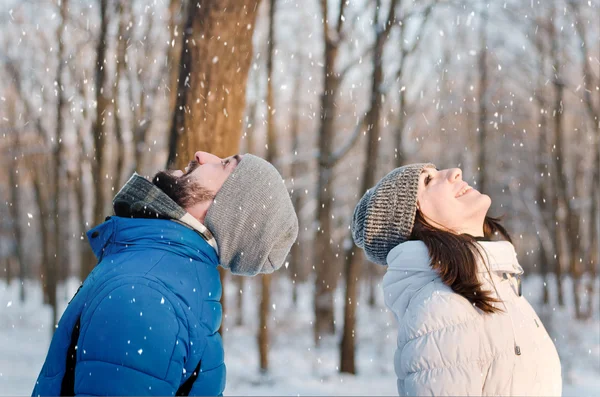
<point>454,174</point>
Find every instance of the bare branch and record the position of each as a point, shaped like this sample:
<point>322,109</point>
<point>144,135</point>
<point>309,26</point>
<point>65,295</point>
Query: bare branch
<point>355,62</point>
<point>337,156</point>
<point>587,71</point>
<point>390,20</point>
<point>340,21</point>
<point>426,18</point>
<point>15,74</point>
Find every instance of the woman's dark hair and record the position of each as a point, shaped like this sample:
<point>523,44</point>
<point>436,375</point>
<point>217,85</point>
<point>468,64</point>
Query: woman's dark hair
<point>454,257</point>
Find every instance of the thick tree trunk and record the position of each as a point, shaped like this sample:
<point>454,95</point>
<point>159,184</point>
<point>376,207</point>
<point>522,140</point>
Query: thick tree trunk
<point>215,59</point>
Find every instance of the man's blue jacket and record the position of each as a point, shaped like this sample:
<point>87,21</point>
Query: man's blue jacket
<point>144,320</point>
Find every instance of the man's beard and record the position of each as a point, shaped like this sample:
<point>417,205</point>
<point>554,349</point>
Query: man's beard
<point>183,190</point>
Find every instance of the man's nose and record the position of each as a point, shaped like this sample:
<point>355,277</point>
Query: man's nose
<point>205,158</point>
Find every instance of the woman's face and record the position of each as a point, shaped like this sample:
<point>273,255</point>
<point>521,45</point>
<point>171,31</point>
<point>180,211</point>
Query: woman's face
<point>448,202</point>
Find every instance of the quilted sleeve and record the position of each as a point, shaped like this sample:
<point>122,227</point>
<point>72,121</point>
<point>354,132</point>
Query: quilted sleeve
<point>132,342</point>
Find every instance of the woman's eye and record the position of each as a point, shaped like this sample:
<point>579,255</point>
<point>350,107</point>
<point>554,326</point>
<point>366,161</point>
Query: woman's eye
<point>427,179</point>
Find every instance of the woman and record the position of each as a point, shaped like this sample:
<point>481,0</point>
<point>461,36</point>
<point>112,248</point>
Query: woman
<point>464,326</point>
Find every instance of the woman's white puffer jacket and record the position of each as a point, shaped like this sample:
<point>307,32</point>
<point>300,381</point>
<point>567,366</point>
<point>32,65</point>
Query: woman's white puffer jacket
<point>447,346</point>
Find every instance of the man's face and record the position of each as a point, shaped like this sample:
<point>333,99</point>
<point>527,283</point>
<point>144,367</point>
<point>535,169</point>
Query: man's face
<point>208,170</point>
<point>199,182</point>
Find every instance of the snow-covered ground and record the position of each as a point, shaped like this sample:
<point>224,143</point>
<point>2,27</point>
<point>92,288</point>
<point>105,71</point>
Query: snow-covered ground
<point>296,366</point>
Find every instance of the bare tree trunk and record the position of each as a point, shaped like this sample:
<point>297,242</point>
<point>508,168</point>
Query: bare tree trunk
<point>372,301</point>
<point>542,172</point>
<point>60,267</point>
<point>48,270</point>
<point>176,26</point>
<point>543,176</point>
<point>263,332</point>
<point>399,156</point>
<point>15,211</point>
<point>558,244</point>
<point>353,258</point>
<point>594,225</point>
<point>123,37</point>
<point>99,131</point>
<point>212,77</point>
<point>561,196</point>
<point>6,261</point>
<point>401,21</point>
<point>483,87</point>
<point>591,254</point>
<point>86,256</point>
<point>240,281</point>
<point>572,217</point>
<point>326,279</point>
<point>296,253</point>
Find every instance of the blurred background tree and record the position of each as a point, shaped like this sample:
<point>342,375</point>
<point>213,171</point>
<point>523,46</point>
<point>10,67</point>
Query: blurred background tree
<point>335,94</point>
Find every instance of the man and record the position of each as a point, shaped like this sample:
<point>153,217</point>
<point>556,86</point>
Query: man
<point>145,320</point>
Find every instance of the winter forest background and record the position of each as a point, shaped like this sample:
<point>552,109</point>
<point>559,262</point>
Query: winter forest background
<point>335,93</point>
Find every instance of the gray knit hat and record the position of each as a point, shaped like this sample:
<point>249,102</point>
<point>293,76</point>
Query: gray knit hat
<point>253,219</point>
<point>384,217</point>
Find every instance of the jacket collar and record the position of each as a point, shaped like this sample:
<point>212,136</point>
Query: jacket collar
<point>413,256</point>
<point>140,198</point>
<point>117,234</point>
<point>409,270</point>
